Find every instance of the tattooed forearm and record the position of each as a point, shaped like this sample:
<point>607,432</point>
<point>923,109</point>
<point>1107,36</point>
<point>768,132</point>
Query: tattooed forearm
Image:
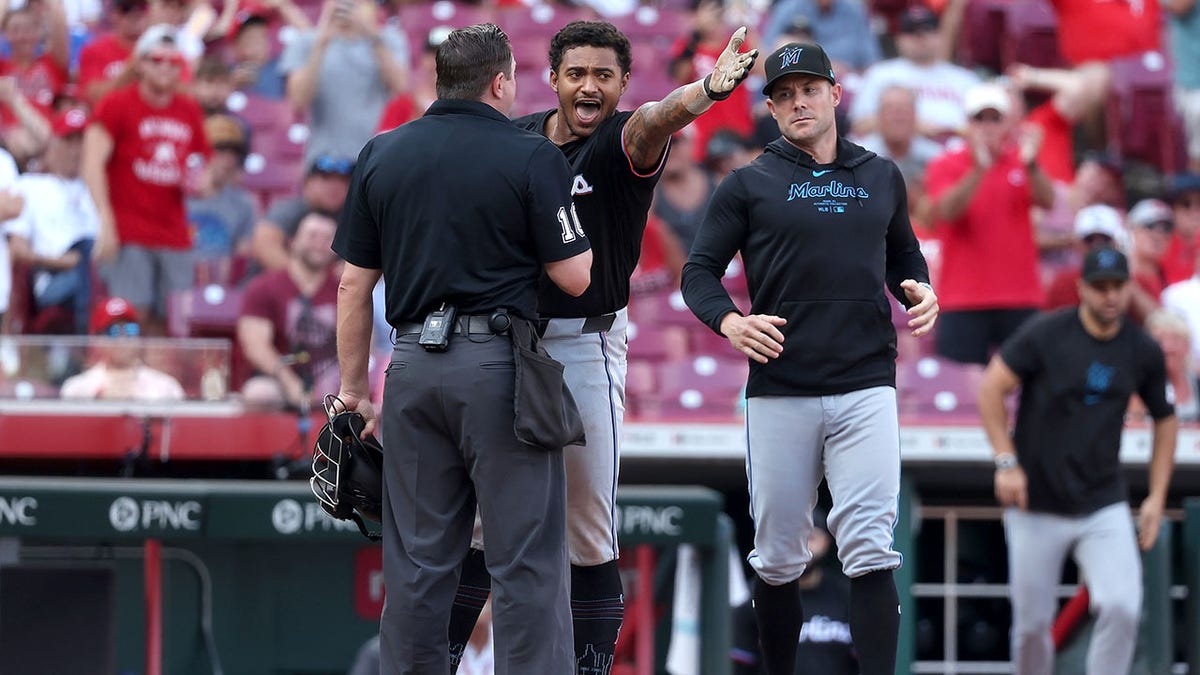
<point>651,126</point>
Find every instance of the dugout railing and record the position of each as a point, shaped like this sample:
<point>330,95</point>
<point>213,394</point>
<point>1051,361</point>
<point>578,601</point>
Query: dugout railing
<point>109,576</point>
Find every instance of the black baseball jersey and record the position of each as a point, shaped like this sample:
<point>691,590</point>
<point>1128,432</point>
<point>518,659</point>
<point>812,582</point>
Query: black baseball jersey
<point>612,201</point>
<point>473,234</point>
<point>819,243</point>
<point>1074,392</point>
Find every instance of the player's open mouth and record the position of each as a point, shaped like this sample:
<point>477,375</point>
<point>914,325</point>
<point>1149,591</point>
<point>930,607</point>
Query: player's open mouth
<point>587,112</point>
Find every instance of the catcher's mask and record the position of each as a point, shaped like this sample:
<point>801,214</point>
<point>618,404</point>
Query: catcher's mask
<point>348,469</point>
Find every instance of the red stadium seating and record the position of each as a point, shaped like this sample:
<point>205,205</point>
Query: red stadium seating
<point>1142,121</point>
<point>1031,35</point>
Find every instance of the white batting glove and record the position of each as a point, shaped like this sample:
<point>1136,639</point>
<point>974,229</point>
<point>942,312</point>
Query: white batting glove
<point>732,67</point>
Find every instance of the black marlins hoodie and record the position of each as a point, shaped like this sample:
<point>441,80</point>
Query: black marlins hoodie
<point>819,243</point>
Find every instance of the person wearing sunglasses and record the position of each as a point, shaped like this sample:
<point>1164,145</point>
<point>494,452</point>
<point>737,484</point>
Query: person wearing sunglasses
<point>137,163</point>
<point>978,199</point>
<point>1151,222</point>
<point>1184,194</point>
<point>118,373</point>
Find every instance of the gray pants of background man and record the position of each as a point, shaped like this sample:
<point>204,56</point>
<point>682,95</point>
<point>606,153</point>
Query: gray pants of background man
<point>447,423</point>
<point>853,440</point>
<point>1105,548</point>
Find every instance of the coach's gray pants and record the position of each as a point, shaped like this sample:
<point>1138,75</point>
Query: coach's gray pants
<point>853,440</point>
<point>448,439</point>
<point>1105,548</point>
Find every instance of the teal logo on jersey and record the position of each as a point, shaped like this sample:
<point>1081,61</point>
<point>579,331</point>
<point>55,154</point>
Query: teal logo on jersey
<point>818,174</point>
<point>807,190</point>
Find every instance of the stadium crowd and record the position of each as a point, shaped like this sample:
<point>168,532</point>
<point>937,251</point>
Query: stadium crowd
<point>192,158</point>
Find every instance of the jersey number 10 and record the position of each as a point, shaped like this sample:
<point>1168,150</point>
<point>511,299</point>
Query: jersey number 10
<point>570,224</point>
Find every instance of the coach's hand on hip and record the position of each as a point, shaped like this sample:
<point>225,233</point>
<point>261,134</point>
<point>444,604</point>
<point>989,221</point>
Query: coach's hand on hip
<point>924,310</point>
<point>756,336</point>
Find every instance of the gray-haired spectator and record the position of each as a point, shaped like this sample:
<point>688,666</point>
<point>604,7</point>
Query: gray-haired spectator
<point>343,73</point>
<point>896,135</point>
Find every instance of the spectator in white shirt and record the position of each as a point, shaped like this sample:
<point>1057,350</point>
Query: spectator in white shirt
<point>56,229</point>
<point>940,85</point>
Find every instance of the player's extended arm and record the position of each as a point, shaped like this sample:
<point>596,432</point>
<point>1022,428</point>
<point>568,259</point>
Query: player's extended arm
<point>651,126</point>
<point>1009,482</point>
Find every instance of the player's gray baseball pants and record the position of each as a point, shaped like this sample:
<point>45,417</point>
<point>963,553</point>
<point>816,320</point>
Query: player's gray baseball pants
<point>447,425</point>
<point>593,353</point>
<point>1105,548</point>
<point>851,439</point>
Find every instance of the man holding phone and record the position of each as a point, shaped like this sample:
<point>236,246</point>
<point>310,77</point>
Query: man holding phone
<point>343,73</point>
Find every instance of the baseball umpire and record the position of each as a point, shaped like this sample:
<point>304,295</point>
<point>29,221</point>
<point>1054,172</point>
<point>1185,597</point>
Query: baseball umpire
<point>822,225</point>
<point>616,158</point>
<point>461,246</point>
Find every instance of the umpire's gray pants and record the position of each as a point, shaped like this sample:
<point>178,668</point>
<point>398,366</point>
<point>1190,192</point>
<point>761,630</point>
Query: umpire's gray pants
<point>851,439</point>
<point>1105,548</point>
<point>448,434</point>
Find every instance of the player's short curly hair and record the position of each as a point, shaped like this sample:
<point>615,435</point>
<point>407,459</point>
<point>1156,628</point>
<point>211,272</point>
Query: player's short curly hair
<point>599,34</point>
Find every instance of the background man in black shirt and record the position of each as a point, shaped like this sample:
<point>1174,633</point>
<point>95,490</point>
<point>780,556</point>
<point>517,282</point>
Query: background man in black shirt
<point>477,236</point>
<point>616,158</point>
<point>1060,473</point>
<point>822,225</point>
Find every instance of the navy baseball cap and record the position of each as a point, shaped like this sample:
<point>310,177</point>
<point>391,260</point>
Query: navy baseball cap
<point>803,58</point>
<point>918,18</point>
<point>1105,264</point>
<point>1181,184</point>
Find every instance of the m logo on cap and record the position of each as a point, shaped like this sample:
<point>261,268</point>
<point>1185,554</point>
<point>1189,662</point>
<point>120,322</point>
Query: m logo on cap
<point>790,57</point>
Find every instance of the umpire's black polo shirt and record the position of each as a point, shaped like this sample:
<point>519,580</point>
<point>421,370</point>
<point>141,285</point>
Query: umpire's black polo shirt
<point>459,206</point>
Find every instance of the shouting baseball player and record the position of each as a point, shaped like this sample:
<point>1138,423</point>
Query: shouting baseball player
<point>617,159</point>
<point>822,225</point>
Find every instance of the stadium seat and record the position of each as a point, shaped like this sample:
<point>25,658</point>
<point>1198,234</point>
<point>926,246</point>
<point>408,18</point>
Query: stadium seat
<point>705,373</point>
<point>982,33</point>
<point>701,386</point>
<point>1141,117</point>
<point>665,308</point>
<point>652,342</point>
<point>205,311</point>
<point>1031,35</point>
<point>261,113</point>
<point>931,386</point>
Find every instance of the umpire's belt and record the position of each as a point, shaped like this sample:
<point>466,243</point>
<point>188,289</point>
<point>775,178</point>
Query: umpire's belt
<point>472,324</point>
<point>592,324</point>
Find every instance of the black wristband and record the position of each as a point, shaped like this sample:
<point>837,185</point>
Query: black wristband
<point>712,95</point>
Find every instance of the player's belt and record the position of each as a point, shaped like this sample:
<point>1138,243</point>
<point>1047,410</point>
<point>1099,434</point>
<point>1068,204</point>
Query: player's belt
<point>472,324</point>
<point>592,324</point>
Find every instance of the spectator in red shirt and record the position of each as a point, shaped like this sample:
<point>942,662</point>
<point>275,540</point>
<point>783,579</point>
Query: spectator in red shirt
<point>1179,262</point>
<point>40,76</point>
<point>1101,30</point>
<point>978,199</point>
<point>698,54</point>
<point>287,327</point>
<point>105,64</point>
<point>136,165</point>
